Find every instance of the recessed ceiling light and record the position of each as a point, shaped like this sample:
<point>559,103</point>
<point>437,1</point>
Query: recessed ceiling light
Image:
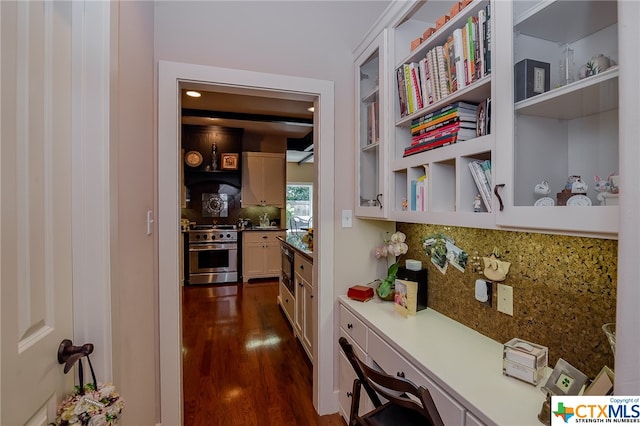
<point>193,94</point>
<point>311,109</point>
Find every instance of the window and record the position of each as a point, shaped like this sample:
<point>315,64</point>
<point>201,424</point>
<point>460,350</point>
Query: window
<point>299,204</point>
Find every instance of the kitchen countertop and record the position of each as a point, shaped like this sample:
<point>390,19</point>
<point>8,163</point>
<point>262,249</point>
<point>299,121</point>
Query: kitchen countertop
<point>298,246</point>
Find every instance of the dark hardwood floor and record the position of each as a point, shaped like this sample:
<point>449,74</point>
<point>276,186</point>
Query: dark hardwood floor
<point>242,364</point>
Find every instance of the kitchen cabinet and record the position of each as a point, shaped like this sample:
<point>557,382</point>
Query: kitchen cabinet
<point>304,323</point>
<point>261,254</point>
<point>571,127</point>
<point>371,129</point>
<point>263,179</point>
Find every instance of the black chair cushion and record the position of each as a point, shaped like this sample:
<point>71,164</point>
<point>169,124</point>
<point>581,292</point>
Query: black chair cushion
<point>392,414</point>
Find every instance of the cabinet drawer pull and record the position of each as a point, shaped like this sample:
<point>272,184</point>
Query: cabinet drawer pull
<point>302,267</point>
<point>349,326</point>
<point>379,200</point>
<point>495,191</point>
<point>264,237</point>
<point>349,394</point>
<point>400,374</point>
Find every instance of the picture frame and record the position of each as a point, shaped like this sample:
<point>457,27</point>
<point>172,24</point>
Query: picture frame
<point>565,379</point>
<point>602,384</point>
<point>229,161</point>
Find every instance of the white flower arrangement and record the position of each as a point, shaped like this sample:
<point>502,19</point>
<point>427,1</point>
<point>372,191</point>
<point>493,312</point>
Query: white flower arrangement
<point>101,407</point>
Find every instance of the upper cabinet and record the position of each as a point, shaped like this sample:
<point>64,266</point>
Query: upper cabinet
<point>559,106</point>
<point>493,114</point>
<point>263,179</point>
<point>371,130</point>
<point>443,84</point>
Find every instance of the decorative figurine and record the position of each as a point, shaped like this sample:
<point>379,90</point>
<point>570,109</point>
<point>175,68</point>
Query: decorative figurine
<point>214,156</point>
<point>476,203</point>
<point>542,188</point>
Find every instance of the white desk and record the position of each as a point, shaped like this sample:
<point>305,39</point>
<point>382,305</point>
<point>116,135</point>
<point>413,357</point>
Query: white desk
<point>465,363</point>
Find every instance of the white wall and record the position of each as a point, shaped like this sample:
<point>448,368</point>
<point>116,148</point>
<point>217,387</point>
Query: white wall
<point>312,39</point>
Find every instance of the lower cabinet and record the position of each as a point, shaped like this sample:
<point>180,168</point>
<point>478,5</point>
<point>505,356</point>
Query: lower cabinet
<point>373,348</point>
<point>304,321</point>
<point>287,301</point>
<point>261,254</point>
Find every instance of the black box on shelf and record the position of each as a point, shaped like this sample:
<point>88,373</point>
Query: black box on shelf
<point>421,278</point>
<point>531,78</point>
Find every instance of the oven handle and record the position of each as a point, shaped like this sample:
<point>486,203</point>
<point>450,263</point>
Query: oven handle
<point>215,246</point>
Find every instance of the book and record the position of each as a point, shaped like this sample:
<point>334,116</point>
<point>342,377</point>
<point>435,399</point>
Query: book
<point>433,72</point>
<point>483,185</point>
<point>482,18</point>
<point>448,140</point>
<point>455,105</point>
<point>481,119</point>
<point>402,94</point>
<point>451,67</point>
<point>408,82</point>
<point>460,114</point>
<point>487,32</point>
<point>406,297</point>
<point>459,58</point>
<point>442,72</point>
<point>415,80</point>
<point>424,82</point>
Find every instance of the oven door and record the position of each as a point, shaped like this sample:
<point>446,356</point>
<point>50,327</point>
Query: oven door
<point>209,258</point>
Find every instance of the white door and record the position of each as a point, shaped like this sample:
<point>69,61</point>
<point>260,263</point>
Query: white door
<point>35,208</point>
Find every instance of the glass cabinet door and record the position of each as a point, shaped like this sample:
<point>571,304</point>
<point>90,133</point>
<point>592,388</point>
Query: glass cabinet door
<point>563,146</point>
<point>371,139</point>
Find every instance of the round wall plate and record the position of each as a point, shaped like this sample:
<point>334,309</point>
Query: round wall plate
<point>193,158</point>
<point>579,200</point>
<point>545,201</point>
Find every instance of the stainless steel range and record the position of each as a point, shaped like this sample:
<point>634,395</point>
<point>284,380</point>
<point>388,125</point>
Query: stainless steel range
<point>213,254</point>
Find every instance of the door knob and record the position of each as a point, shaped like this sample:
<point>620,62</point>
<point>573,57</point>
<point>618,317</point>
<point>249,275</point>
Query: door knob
<point>68,354</point>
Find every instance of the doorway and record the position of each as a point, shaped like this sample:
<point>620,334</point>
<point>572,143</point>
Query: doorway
<point>171,74</point>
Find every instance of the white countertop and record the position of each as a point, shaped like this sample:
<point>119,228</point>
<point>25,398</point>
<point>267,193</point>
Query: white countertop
<point>467,364</point>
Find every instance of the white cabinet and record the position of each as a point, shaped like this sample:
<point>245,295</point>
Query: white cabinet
<point>304,323</point>
<point>263,179</point>
<point>392,362</point>
<point>371,129</point>
<point>568,128</point>
<point>355,331</point>
<point>261,254</point>
<point>287,302</point>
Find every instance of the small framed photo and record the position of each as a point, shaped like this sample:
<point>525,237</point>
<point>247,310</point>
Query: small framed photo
<point>602,384</point>
<point>565,379</point>
<point>229,161</point>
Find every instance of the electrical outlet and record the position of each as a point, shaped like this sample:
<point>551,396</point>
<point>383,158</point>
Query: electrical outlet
<point>505,299</point>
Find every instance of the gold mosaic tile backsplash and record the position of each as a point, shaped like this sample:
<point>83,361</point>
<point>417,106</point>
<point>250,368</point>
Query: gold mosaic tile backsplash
<point>564,290</point>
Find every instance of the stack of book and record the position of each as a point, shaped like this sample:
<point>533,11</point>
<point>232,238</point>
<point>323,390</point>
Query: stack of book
<point>481,172</point>
<point>445,126</point>
<point>464,58</point>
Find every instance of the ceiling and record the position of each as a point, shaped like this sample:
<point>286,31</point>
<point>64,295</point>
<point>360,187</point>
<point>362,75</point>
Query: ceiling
<point>266,113</point>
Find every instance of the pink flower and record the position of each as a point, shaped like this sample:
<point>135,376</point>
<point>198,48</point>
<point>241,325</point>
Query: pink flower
<point>380,252</point>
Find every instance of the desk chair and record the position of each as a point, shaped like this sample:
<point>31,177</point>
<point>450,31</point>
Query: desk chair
<point>407,403</point>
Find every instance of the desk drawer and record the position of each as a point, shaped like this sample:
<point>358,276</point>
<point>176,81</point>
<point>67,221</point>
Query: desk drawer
<point>392,362</point>
<point>353,327</point>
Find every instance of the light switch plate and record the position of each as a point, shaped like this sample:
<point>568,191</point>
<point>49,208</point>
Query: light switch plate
<point>505,299</point>
<point>347,218</point>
